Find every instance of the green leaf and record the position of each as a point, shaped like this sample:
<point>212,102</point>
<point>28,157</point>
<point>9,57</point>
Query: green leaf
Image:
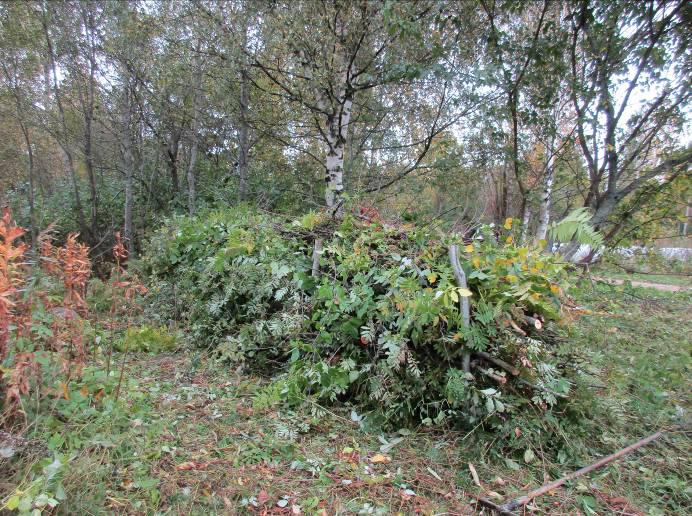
<point>529,456</point>
<point>12,503</point>
<point>512,465</point>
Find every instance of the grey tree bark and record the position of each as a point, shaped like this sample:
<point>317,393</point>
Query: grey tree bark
<point>196,107</point>
<point>129,165</point>
<point>243,128</point>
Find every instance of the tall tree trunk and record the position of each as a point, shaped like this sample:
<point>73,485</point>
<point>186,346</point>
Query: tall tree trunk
<point>546,196</point>
<point>243,129</point>
<point>129,164</point>
<point>88,110</point>
<point>337,131</point>
<point>172,148</point>
<point>512,101</point>
<point>525,219</point>
<point>243,138</point>
<point>30,170</point>
<point>64,144</point>
<point>196,106</point>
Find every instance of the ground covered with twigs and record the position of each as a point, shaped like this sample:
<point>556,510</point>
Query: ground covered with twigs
<point>188,436</point>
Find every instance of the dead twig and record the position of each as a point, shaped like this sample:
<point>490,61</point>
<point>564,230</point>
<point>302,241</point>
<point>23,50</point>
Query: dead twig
<point>500,363</point>
<point>508,507</point>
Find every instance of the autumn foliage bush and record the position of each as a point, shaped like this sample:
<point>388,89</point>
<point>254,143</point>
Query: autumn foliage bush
<point>380,325</point>
<point>39,328</point>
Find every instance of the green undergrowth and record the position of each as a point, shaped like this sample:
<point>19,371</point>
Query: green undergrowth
<point>188,436</point>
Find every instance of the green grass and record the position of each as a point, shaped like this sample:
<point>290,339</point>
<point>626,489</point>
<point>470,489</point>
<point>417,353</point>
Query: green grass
<point>187,438</point>
<point>666,279</point>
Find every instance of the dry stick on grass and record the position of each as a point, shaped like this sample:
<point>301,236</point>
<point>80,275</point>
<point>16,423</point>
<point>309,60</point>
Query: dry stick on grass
<point>523,500</point>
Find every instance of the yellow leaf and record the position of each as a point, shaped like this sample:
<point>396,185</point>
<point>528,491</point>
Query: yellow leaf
<point>534,270</point>
<point>379,459</point>
<point>512,278</point>
<point>510,239</point>
<point>554,289</point>
<point>468,248</point>
<point>432,278</point>
<point>476,262</point>
<point>464,292</point>
<point>508,223</point>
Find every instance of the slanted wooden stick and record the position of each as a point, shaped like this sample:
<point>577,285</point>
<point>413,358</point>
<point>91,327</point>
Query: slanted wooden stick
<point>523,500</point>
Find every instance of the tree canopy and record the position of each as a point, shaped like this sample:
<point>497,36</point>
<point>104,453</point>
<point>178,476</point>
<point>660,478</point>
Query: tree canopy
<point>117,113</point>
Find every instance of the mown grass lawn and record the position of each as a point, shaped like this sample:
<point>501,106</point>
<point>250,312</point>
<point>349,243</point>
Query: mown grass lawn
<point>186,437</point>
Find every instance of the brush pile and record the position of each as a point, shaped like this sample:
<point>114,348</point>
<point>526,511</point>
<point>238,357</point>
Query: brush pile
<point>369,313</point>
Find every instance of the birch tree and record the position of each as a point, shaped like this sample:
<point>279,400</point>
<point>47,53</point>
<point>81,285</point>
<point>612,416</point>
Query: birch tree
<point>629,74</point>
<point>353,47</point>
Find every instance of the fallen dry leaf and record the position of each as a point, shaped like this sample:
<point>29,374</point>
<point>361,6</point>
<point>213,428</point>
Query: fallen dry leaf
<point>190,466</point>
<point>262,497</point>
<point>474,474</point>
<point>379,459</point>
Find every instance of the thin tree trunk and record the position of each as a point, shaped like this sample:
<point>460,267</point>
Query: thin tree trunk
<point>172,151</point>
<point>243,139</point>
<point>129,163</point>
<point>64,145</point>
<point>30,170</point>
<point>243,129</point>
<point>337,132</point>
<point>512,101</point>
<point>196,102</point>
<point>546,196</point>
<point>88,20</point>
<point>525,219</point>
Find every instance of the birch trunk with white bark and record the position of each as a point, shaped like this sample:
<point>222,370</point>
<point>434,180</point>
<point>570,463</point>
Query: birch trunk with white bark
<point>525,221</point>
<point>337,131</point>
<point>546,196</point>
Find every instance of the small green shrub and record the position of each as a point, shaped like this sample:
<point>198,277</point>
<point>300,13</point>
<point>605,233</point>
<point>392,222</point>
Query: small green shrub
<point>381,325</point>
<point>147,339</point>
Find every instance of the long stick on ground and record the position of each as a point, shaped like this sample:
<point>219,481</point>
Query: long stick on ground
<point>520,502</point>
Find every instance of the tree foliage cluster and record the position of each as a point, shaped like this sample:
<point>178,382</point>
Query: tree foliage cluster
<point>118,113</point>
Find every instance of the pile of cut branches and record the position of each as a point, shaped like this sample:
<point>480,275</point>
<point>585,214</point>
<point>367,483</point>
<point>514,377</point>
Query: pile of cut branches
<point>378,317</point>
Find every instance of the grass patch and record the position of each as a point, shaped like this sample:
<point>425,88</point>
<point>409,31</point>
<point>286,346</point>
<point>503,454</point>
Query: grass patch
<point>664,279</point>
<point>187,436</point>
